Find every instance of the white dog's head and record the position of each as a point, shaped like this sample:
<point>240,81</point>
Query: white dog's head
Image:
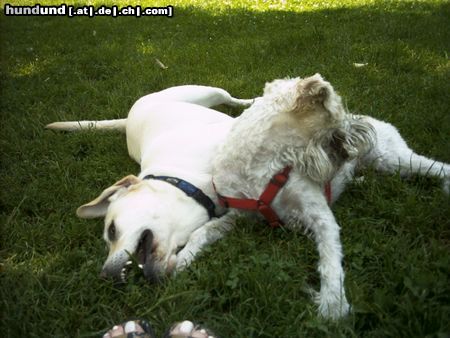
<point>314,111</point>
<point>140,221</point>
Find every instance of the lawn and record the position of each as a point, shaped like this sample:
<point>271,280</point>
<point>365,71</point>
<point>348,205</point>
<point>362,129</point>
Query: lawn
<point>254,282</point>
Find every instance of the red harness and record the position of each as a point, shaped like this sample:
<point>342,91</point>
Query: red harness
<point>265,200</point>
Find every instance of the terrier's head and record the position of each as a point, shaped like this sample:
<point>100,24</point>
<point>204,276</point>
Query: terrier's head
<point>330,135</point>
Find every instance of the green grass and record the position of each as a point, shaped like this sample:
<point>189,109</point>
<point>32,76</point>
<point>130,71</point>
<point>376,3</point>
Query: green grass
<point>253,283</point>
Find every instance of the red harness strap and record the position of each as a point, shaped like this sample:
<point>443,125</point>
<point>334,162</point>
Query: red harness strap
<point>328,192</point>
<point>265,200</point>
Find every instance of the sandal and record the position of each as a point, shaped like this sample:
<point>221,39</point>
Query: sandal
<point>131,329</point>
<point>188,329</point>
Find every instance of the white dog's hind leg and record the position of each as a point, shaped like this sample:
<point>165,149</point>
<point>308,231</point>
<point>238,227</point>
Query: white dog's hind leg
<point>206,235</point>
<point>202,95</point>
<point>234,102</point>
<point>212,96</point>
<point>241,102</point>
<point>391,154</point>
<point>317,218</point>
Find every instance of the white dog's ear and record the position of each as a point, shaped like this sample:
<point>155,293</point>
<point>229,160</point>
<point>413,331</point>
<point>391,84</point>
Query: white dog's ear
<point>99,206</point>
<point>314,91</point>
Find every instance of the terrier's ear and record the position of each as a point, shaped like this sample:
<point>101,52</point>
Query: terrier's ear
<point>314,91</point>
<point>99,206</point>
<point>354,140</point>
<point>338,145</point>
<point>315,86</point>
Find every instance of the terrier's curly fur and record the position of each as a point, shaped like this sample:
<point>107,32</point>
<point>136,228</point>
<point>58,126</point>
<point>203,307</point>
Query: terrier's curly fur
<point>302,123</point>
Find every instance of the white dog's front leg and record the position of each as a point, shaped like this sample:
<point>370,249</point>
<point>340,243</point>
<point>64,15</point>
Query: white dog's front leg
<point>203,236</point>
<point>317,217</point>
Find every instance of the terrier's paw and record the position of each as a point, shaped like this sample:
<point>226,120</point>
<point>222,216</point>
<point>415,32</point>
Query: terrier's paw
<point>332,306</point>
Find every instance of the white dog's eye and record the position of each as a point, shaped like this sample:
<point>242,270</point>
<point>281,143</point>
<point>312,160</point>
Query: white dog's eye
<point>112,231</point>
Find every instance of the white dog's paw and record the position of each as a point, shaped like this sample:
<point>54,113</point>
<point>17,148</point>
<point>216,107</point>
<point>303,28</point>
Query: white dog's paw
<point>247,102</point>
<point>333,306</point>
<point>184,259</point>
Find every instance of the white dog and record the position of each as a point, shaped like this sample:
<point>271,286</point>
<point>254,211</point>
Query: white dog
<point>300,129</point>
<point>173,137</point>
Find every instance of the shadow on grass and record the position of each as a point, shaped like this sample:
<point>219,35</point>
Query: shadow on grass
<point>60,68</point>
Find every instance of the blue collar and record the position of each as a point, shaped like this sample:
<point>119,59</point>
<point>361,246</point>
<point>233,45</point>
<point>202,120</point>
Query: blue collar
<point>190,190</point>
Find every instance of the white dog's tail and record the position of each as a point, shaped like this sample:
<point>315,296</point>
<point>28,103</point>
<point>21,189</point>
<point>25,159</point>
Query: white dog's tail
<point>118,124</point>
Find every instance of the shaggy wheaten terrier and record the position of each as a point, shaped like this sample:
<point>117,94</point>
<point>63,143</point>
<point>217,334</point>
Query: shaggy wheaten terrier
<point>289,156</point>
